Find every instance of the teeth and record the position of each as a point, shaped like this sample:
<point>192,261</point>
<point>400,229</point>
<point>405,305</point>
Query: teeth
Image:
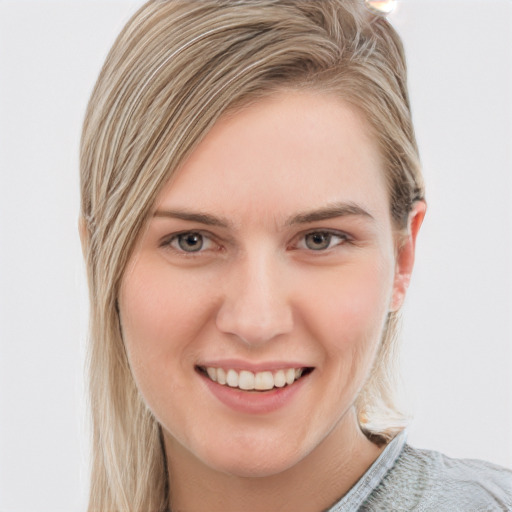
<point>221,376</point>
<point>263,381</point>
<point>249,381</point>
<point>246,380</point>
<point>279,379</point>
<point>232,379</point>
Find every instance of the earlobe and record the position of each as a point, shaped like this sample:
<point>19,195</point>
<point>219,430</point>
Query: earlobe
<point>405,255</point>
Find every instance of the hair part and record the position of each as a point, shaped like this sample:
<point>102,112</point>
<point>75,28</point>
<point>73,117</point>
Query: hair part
<point>175,69</point>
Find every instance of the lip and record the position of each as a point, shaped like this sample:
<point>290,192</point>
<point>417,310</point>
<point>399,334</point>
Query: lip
<point>239,365</point>
<point>254,402</point>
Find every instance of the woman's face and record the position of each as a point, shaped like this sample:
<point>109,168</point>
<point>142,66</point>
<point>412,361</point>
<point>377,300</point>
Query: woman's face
<point>253,305</point>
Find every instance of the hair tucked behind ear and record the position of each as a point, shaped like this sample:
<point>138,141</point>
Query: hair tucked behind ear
<point>176,67</point>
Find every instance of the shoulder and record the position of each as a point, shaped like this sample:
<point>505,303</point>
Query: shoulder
<point>425,480</point>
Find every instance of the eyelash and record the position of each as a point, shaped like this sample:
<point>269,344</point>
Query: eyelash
<point>168,243</point>
<point>342,237</point>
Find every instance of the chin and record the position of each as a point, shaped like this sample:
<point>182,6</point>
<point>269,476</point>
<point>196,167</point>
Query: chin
<point>258,462</point>
<point>250,468</point>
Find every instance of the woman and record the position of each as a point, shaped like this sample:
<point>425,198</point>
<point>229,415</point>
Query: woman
<point>251,197</point>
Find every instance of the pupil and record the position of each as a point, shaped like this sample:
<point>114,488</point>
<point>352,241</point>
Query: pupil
<point>191,242</point>
<point>318,241</point>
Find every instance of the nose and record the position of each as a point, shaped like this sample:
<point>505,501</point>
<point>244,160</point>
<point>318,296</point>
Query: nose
<point>256,306</point>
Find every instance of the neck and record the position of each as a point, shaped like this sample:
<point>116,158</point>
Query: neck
<point>315,483</point>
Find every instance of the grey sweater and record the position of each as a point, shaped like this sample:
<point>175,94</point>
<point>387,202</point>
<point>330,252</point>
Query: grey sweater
<point>407,479</point>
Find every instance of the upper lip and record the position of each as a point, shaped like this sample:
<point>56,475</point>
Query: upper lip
<point>238,364</point>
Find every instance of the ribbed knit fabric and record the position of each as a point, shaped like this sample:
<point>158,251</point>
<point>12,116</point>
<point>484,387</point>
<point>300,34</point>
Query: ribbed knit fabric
<point>407,479</point>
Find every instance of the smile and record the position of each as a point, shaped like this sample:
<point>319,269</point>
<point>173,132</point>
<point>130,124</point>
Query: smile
<point>250,381</point>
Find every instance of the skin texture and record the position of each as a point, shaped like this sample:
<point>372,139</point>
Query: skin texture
<point>257,293</point>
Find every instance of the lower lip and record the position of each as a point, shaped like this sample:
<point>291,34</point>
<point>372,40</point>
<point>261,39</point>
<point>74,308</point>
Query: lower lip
<point>254,402</point>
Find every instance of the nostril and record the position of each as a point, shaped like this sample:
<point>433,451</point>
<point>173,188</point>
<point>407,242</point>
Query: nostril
<point>252,324</point>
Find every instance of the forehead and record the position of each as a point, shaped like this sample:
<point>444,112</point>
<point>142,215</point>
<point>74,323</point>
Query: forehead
<point>292,151</point>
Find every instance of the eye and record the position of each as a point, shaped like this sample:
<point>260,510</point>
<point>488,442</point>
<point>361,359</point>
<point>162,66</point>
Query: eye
<point>321,240</point>
<point>190,242</point>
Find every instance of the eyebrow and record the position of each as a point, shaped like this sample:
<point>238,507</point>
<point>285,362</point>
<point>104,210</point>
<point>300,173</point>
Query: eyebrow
<point>329,212</point>
<point>201,218</point>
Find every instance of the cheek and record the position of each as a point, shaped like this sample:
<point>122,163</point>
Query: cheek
<point>162,313</point>
<point>348,307</point>
<point>159,307</point>
<point>347,314</point>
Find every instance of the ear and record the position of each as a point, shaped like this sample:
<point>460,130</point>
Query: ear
<point>405,255</point>
<point>84,235</point>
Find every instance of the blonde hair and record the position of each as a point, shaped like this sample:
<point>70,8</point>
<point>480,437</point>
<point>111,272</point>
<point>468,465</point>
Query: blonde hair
<point>176,67</point>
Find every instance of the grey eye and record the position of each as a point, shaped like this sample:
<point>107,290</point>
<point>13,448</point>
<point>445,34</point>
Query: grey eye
<point>318,241</point>
<point>190,242</point>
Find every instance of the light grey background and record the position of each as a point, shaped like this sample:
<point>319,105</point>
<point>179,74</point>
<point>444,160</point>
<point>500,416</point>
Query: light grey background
<point>457,357</point>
